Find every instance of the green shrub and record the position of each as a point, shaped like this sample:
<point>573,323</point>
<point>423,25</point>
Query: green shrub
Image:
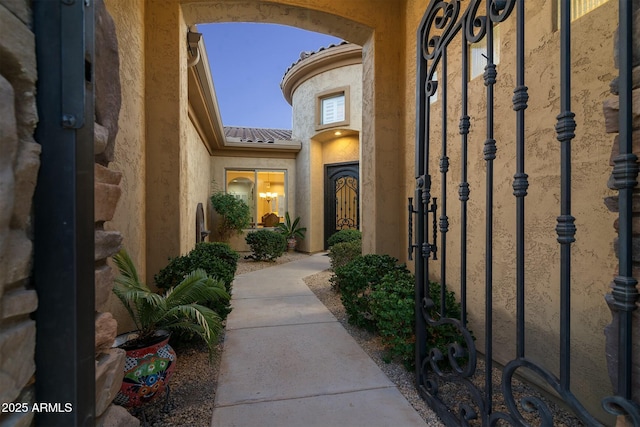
<point>344,252</point>
<point>217,259</point>
<point>393,307</point>
<point>356,280</point>
<point>235,214</point>
<point>441,336</point>
<point>266,245</point>
<point>346,235</point>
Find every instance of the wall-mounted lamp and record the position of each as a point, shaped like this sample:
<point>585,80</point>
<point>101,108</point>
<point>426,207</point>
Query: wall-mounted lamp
<point>337,133</point>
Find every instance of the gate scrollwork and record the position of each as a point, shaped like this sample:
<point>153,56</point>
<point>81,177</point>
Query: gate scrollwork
<point>460,366</point>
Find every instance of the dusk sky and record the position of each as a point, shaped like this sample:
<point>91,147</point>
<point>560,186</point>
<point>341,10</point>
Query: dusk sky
<point>247,63</point>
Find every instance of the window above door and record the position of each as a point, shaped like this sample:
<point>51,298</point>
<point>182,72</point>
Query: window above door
<point>332,108</point>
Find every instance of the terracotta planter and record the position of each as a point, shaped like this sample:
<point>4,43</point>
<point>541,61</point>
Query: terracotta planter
<point>291,244</point>
<point>147,370</point>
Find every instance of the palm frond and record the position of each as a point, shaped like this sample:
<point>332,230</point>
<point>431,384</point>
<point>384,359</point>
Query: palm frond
<point>126,302</point>
<point>295,223</point>
<point>208,321</point>
<point>128,273</point>
<point>179,309</point>
<point>191,289</point>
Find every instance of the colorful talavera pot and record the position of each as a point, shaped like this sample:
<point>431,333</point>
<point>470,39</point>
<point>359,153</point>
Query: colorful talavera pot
<point>147,370</point>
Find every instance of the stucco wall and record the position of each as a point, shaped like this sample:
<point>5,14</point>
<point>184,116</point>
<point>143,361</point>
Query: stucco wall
<point>167,124</point>
<point>341,149</point>
<point>197,170</point>
<point>593,257</point>
<point>130,146</point>
<point>129,155</point>
<point>321,148</point>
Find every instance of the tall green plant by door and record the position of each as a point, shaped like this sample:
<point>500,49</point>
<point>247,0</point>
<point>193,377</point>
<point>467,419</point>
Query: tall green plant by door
<point>291,230</point>
<point>235,214</point>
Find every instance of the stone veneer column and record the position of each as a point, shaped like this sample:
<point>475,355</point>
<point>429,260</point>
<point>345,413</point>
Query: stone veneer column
<point>611,109</point>
<point>19,163</point>
<point>109,361</point>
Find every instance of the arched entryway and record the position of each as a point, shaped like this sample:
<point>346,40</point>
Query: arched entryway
<point>373,28</point>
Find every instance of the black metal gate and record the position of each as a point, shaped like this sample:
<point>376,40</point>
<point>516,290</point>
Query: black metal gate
<point>64,226</point>
<point>453,25</point>
<point>342,206</point>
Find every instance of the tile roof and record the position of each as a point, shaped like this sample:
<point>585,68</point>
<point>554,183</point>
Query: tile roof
<point>257,134</point>
<point>305,54</point>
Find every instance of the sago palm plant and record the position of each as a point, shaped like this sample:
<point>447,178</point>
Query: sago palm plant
<point>179,309</point>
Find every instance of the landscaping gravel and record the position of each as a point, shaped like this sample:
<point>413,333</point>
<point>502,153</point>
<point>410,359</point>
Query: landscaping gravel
<point>194,382</point>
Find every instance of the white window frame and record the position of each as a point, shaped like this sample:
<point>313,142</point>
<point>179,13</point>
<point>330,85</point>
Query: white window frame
<point>332,109</point>
<point>322,97</point>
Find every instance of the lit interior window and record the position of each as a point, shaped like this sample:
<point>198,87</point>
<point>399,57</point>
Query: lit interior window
<point>264,192</point>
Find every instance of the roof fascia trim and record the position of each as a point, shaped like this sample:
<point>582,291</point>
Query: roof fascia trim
<point>320,62</point>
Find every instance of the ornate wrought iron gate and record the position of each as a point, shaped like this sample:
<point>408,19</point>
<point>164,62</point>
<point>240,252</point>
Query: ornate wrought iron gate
<point>342,207</point>
<point>455,24</point>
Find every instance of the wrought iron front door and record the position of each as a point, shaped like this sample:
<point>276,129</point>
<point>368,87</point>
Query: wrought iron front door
<point>341,202</point>
<point>463,230</point>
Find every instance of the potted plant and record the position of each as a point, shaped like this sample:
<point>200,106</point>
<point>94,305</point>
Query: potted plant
<point>150,360</point>
<point>291,230</point>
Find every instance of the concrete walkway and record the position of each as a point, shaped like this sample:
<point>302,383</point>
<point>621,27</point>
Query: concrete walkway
<point>287,361</point>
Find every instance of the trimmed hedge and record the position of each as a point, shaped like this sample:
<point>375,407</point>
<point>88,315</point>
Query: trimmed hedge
<point>356,280</point>
<point>346,235</point>
<point>266,245</point>
<point>217,259</point>
<point>442,336</point>
<point>344,252</point>
<point>378,294</point>
<point>393,307</point>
